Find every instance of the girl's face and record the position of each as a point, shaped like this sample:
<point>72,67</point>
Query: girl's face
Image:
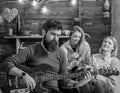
<point>75,38</point>
<point>108,45</point>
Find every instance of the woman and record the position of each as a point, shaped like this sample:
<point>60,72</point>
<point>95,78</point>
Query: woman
<point>106,58</point>
<point>78,54</point>
<point>77,49</point>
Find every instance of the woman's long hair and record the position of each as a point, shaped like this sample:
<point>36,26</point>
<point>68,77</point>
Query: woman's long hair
<point>114,52</point>
<point>82,39</point>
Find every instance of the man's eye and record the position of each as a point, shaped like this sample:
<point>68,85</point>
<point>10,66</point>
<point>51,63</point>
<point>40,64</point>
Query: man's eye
<point>52,34</point>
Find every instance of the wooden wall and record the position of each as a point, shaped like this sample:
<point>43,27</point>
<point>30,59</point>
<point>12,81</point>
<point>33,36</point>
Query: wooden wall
<point>32,19</point>
<point>116,30</point>
<point>87,14</point>
<point>94,23</point>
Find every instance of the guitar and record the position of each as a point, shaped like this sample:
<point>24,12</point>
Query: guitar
<point>40,76</point>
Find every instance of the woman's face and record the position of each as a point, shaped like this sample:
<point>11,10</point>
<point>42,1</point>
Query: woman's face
<point>75,38</point>
<point>108,45</point>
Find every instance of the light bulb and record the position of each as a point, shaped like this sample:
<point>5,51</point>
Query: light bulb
<point>20,1</point>
<point>74,2</point>
<point>34,2</point>
<point>44,10</point>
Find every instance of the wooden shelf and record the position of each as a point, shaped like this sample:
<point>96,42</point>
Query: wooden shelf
<point>19,39</point>
<point>25,37</point>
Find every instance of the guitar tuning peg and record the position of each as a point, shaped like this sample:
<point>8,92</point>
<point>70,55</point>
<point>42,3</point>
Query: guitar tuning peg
<point>116,71</point>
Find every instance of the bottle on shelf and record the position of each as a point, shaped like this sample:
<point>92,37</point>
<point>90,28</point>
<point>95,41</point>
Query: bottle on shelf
<point>18,25</point>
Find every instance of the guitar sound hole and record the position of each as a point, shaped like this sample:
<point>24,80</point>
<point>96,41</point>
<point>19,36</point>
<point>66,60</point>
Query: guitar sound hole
<point>74,69</point>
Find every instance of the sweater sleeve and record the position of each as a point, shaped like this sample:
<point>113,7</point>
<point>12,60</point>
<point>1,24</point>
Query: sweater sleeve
<point>112,80</point>
<point>63,70</point>
<point>87,57</point>
<point>15,59</point>
<point>63,66</point>
<point>63,48</point>
<point>85,54</point>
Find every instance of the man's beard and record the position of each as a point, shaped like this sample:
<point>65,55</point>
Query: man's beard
<point>51,46</point>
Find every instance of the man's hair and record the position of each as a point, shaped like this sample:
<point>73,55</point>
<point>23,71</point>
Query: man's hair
<point>52,24</point>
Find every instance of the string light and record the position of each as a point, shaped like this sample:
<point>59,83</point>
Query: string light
<point>34,2</point>
<point>20,1</point>
<point>44,10</point>
<point>73,2</point>
<point>23,1</point>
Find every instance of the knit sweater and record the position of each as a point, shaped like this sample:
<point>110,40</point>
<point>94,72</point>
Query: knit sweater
<point>35,55</point>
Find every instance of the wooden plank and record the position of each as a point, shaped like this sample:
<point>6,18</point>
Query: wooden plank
<point>64,3</point>
<point>93,10</point>
<point>91,13</point>
<point>61,13</point>
<point>96,30</point>
<point>92,3</point>
<point>37,25</point>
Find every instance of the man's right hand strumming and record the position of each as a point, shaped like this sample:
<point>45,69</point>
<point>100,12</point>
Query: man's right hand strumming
<point>27,79</point>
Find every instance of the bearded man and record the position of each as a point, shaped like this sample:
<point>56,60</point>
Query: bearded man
<point>46,52</point>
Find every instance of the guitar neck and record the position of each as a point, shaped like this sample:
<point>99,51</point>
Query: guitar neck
<point>39,74</point>
<point>104,72</point>
<point>60,77</point>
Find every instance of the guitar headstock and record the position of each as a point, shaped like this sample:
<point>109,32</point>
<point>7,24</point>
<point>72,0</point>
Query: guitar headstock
<point>108,72</point>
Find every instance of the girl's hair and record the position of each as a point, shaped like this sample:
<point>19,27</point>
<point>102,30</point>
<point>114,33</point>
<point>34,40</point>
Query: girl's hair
<point>81,44</point>
<point>78,29</point>
<point>114,52</point>
<point>52,24</point>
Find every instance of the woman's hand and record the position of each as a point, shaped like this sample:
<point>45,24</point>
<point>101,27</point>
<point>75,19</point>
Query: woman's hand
<point>29,81</point>
<point>100,77</point>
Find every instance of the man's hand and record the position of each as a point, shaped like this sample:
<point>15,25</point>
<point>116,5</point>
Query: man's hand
<point>75,84</point>
<point>29,82</point>
<point>87,77</point>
